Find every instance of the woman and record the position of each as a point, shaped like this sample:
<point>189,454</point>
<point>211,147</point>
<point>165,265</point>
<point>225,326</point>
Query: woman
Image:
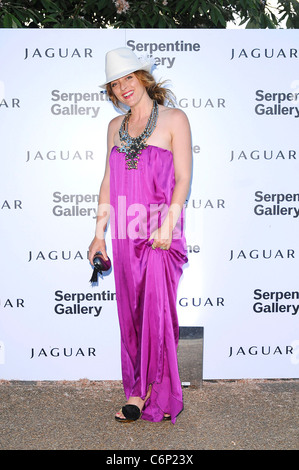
<point>143,191</point>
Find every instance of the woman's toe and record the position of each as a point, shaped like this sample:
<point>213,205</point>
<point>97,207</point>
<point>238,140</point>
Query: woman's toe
<point>120,415</point>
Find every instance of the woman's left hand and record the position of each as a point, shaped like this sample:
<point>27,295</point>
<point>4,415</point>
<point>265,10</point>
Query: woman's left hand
<point>162,238</point>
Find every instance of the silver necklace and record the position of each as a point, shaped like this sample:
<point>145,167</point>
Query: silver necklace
<point>133,146</point>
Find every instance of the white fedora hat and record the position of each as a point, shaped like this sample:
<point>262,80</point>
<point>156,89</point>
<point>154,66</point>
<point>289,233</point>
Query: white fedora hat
<point>122,61</point>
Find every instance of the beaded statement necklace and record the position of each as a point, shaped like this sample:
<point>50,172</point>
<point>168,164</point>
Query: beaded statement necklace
<point>132,146</point>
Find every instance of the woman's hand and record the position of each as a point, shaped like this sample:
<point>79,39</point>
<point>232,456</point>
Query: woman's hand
<point>162,237</point>
<point>97,245</point>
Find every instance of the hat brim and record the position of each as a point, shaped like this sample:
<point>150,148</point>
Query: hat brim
<point>146,67</point>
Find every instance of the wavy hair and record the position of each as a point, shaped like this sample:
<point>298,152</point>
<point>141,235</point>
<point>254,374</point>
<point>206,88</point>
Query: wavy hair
<point>156,91</point>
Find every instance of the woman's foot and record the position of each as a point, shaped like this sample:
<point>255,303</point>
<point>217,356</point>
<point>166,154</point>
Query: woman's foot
<point>137,402</point>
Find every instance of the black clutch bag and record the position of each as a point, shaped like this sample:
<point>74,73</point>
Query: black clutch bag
<point>100,264</point>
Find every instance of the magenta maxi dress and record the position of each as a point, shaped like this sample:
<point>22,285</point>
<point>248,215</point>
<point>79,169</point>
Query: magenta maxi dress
<point>146,279</point>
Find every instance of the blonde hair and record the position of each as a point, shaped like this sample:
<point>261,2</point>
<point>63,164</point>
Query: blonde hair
<point>156,91</point>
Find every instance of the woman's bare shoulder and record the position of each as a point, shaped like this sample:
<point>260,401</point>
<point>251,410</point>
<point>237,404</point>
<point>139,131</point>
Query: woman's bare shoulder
<point>175,120</point>
<point>115,122</point>
<point>173,113</point>
<point>113,128</point>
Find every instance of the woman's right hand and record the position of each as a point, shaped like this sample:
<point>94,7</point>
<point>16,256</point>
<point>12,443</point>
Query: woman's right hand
<point>96,245</point>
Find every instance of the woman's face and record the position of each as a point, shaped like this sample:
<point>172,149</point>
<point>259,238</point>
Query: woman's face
<point>128,90</point>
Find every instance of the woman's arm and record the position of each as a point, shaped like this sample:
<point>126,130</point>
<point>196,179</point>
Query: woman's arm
<point>103,214</point>
<point>182,160</point>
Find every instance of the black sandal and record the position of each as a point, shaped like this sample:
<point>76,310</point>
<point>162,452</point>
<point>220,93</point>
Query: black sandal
<point>130,412</point>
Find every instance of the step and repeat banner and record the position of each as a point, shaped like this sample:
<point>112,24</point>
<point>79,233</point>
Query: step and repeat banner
<point>240,90</point>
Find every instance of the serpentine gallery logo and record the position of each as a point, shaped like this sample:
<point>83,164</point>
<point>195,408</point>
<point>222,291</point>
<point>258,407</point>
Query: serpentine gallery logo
<point>277,204</point>
<point>77,103</point>
<point>152,48</point>
<point>276,302</point>
<point>277,103</point>
<point>87,304</point>
<point>75,205</point>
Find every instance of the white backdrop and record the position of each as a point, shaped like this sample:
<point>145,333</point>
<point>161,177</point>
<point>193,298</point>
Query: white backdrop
<point>240,90</point>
